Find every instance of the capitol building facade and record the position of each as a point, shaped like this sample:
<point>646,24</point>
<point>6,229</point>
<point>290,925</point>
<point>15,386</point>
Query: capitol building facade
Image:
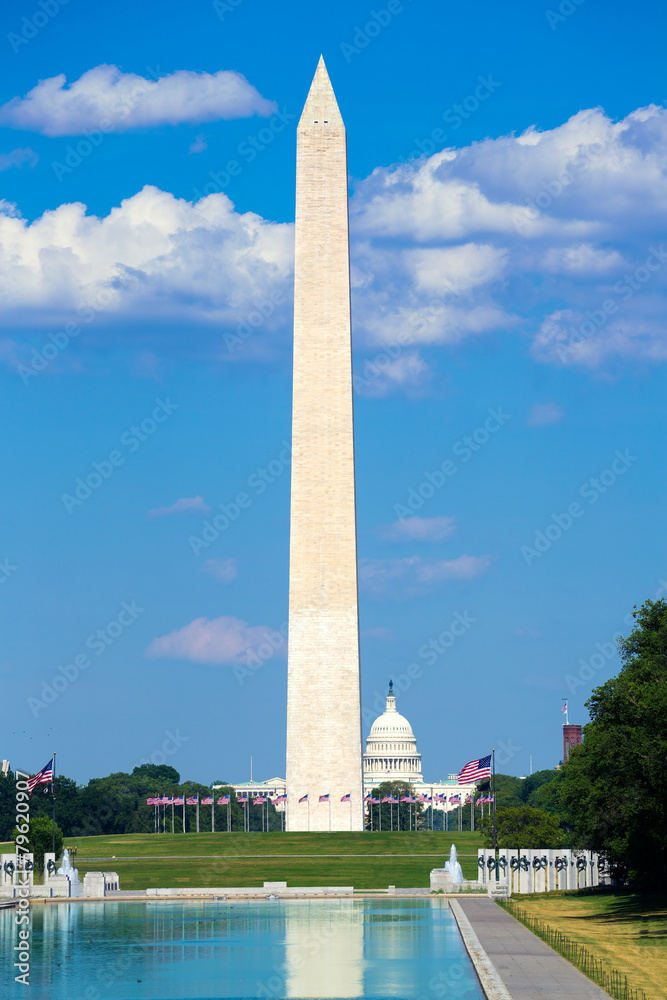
<point>392,755</point>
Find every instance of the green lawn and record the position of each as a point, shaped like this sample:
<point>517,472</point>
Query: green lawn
<point>627,931</point>
<point>364,860</point>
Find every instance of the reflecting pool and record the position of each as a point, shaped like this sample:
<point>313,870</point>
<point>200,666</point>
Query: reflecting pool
<point>407,948</point>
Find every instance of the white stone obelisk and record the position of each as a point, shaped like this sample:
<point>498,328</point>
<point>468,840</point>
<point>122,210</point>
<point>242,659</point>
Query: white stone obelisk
<point>323,689</point>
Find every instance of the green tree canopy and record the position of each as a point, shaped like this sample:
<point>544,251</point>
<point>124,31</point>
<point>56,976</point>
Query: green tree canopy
<point>615,783</point>
<point>159,772</point>
<point>523,827</point>
<point>40,839</point>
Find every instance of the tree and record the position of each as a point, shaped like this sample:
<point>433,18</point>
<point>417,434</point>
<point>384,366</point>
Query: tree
<point>396,816</point>
<point>40,839</point>
<point>523,827</point>
<point>615,784</point>
<point>158,772</point>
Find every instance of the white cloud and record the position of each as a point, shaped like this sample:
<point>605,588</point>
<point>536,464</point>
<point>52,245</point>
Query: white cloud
<point>224,570</point>
<point>155,258</point>
<point>543,414</point>
<point>383,375</point>
<point>223,640</point>
<point>488,237</point>
<point>522,236</point>
<point>198,144</point>
<point>125,101</point>
<point>419,529</point>
<point>185,505</point>
<point>17,158</point>
<point>380,633</point>
<point>414,575</point>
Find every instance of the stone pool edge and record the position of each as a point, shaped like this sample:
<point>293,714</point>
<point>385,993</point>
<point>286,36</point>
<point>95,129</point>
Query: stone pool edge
<point>493,986</point>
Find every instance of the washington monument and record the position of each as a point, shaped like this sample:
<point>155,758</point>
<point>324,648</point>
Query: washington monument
<point>323,691</point>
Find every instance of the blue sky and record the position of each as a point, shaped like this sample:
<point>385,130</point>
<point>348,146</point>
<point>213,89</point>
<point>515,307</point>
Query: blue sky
<point>507,179</point>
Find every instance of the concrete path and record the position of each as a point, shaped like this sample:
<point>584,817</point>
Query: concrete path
<point>528,967</point>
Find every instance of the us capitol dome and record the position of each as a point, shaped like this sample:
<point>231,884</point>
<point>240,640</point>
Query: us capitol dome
<point>391,748</point>
<point>391,755</point>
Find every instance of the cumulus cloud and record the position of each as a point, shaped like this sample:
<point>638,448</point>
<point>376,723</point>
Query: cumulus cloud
<point>106,98</point>
<point>414,575</point>
<point>224,570</point>
<point>543,414</point>
<point>419,529</point>
<point>555,237</point>
<point>223,641</point>
<point>487,238</point>
<point>17,158</point>
<point>154,258</point>
<point>186,505</point>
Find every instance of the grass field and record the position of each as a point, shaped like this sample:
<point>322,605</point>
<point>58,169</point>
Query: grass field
<point>364,860</point>
<point>628,932</point>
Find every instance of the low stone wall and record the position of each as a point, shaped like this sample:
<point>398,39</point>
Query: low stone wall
<point>280,890</point>
<point>537,870</point>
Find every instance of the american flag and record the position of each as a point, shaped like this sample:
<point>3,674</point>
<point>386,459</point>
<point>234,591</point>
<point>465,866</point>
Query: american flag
<point>346,798</point>
<point>375,802</point>
<point>475,770</point>
<point>324,798</point>
<point>454,799</point>
<point>192,801</point>
<point>223,800</point>
<point>479,801</point>
<point>468,800</point>
<point>279,798</point>
<point>304,798</point>
<point>387,798</point>
<point>259,800</point>
<point>179,801</point>
<point>169,800</point>
<point>151,802</point>
<point>242,799</point>
<point>208,801</point>
<point>43,777</point>
<point>367,798</point>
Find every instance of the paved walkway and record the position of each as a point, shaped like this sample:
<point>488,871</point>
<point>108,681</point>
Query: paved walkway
<point>528,967</point>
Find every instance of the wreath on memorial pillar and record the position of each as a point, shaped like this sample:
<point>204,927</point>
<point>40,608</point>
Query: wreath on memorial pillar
<point>9,867</point>
<point>581,864</point>
<point>502,862</point>
<point>515,863</point>
<point>561,864</point>
<point>51,867</point>
<point>540,863</point>
<point>480,862</point>
<point>29,865</point>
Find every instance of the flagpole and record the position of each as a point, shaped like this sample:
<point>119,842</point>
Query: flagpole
<point>213,814</point>
<point>493,757</point>
<point>53,796</point>
<point>329,812</point>
<point>308,803</point>
<point>183,812</point>
<point>172,814</point>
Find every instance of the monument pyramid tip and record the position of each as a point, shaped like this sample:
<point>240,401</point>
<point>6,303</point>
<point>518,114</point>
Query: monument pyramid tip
<point>321,101</point>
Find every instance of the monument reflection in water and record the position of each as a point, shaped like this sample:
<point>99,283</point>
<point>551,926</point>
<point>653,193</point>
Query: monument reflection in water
<point>276,949</point>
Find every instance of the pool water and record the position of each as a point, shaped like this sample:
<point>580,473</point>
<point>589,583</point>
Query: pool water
<point>403,948</point>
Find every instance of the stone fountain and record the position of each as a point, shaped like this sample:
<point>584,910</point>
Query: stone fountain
<point>72,874</point>
<point>450,878</point>
<point>453,867</point>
